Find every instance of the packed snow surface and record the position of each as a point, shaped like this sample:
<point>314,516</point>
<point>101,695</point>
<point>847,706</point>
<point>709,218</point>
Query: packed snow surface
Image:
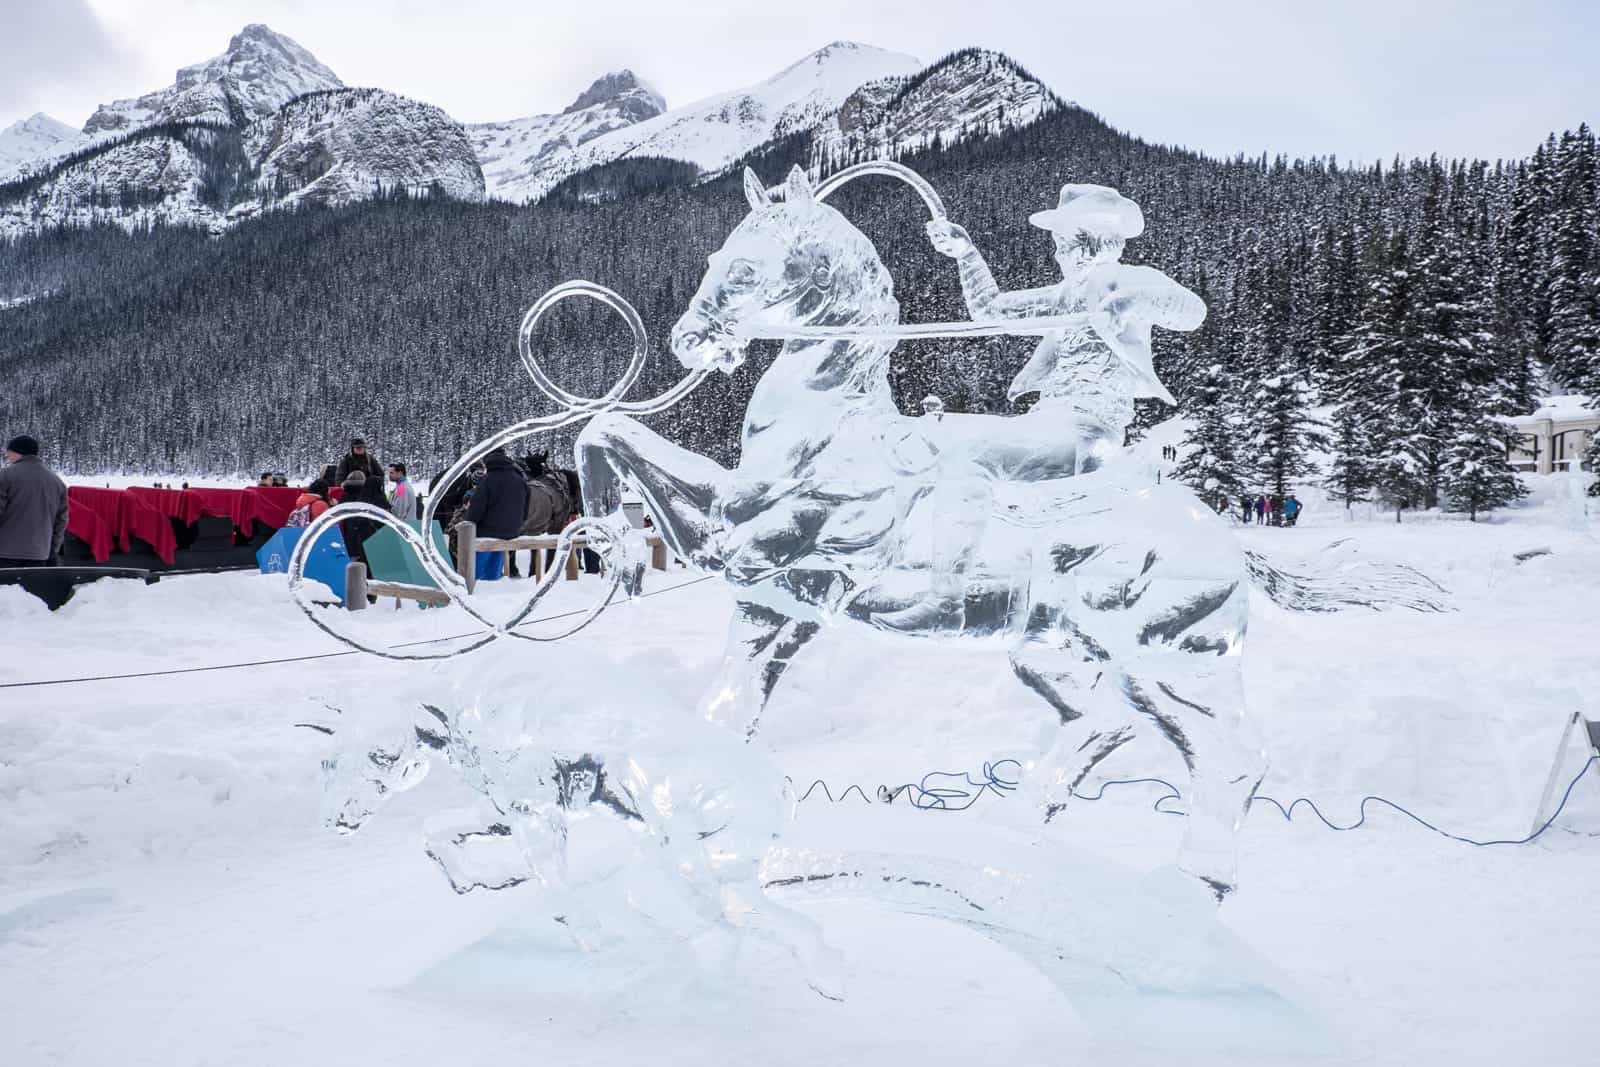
<point>167,897</point>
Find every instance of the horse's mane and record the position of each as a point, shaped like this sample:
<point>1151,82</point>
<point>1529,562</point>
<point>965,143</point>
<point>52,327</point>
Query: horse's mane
<point>816,225</point>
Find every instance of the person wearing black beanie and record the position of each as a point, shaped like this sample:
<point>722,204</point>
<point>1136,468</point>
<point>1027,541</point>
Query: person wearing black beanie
<point>33,507</point>
<point>358,459</point>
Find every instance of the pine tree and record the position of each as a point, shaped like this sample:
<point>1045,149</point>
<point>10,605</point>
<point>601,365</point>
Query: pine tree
<point>1210,463</point>
<point>1283,432</point>
<point>1369,419</point>
<point>1478,476</point>
<point>1574,284</point>
<point>1593,456</point>
<point>1451,367</point>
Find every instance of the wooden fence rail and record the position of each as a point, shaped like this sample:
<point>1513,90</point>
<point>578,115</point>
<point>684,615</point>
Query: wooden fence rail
<point>358,587</point>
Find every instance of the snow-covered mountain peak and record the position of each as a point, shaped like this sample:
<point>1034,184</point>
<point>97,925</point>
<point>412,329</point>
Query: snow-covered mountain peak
<point>624,89</point>
<point>841,68</point>
<point>971,92</point>
<point>41,124</point>
<point>260,72</point>
<point>526,158</point>
<point>34,139</point>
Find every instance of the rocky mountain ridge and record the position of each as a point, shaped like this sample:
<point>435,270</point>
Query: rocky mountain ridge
<point>516,154</point>
<point>260,71</point>
<point>266,125</point>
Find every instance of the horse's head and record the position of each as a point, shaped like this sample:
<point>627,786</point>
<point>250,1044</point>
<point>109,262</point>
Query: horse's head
<point>792,261</point>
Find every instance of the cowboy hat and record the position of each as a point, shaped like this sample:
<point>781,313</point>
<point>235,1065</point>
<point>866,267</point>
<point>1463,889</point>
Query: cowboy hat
<point>1096,209</point>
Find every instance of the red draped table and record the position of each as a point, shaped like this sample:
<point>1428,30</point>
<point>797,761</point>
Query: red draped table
<point>92,518</point>
<point>264,504</point>
<point>103,518</point>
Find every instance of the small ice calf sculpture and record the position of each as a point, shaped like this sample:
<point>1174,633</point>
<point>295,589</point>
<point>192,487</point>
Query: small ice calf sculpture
<point>630,828</point>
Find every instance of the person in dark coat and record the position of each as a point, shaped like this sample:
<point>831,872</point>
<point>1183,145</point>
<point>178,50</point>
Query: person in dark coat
<point>357,530</point>
<point>591,558</point>
<point>498,506</point>
<point>373,491</point>
<point>33,508</point>
<point>358,459</point>
<point>500,502</point>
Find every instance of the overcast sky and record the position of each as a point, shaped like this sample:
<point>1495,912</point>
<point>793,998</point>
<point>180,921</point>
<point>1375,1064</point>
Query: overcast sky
<point>1361,78</point>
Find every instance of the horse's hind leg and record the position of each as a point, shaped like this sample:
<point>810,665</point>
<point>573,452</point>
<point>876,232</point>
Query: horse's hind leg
<point>680,488</point>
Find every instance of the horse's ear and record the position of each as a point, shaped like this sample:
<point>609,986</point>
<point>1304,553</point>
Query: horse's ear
<point>797,189</point>
<point>754,191</point>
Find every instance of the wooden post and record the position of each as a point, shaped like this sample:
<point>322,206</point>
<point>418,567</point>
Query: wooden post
<point>537,564</point>
<point>355,586</point>
<point>658,554</point>
<point>467,553</point>
<point>572,564</point>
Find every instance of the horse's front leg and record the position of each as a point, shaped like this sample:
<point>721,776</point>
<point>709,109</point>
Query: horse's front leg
<point>679,487</point>
<point>1195,696</point>
<point>1178,653</point>
<point>762,640</point>
<point>1070,672</point>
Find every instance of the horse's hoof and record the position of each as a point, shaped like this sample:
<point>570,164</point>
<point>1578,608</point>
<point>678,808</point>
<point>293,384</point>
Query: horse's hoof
<point>629,557</point>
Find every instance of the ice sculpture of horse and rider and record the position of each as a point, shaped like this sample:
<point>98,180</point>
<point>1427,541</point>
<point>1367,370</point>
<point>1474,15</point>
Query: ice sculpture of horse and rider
<point>1121,602</point>
<point>1124,600</point>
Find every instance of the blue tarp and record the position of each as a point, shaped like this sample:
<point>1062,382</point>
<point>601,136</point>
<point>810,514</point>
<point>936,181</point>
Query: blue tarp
<point>325,564</point>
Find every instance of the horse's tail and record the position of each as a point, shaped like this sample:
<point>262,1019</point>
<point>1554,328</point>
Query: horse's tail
<point>1337,582</point>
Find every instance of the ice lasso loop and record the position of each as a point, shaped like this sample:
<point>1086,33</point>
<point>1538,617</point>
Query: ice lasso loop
<point>599,534</point>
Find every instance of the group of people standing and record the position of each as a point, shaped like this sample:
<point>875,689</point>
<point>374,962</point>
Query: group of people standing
<point>505,498</point>
<point>1266,510</point>
<point>362,480</point>
<point>502,497</point>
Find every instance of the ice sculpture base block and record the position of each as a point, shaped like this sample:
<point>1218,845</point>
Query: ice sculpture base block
<point>1142,958</point>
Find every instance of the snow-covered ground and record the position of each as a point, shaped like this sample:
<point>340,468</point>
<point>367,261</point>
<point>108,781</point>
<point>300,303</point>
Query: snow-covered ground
<point>166,895</point>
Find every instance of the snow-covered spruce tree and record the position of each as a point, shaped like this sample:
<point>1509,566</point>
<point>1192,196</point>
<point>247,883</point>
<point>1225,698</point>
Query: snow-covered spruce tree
<point>1283,433</point>
<point>1452,368</point>
<point>1574,278</point>
<point>1593,457</point>
<point>1369,377</point>
<point>1210,461</point>
<point>1477,474</point>
<point>1350,471</point>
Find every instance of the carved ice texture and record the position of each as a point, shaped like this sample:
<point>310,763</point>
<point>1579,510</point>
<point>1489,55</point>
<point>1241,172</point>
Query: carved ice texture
<point>1123,602</point>
<point>631,827</point>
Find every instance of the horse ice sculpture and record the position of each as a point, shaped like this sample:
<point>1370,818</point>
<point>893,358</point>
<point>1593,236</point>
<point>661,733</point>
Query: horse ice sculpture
<point>1122,600</point>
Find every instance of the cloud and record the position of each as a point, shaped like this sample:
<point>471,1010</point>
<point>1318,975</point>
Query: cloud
<point>52,51</point>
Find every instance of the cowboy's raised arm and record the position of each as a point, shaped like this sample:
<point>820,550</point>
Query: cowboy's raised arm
<point>983,296</point>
